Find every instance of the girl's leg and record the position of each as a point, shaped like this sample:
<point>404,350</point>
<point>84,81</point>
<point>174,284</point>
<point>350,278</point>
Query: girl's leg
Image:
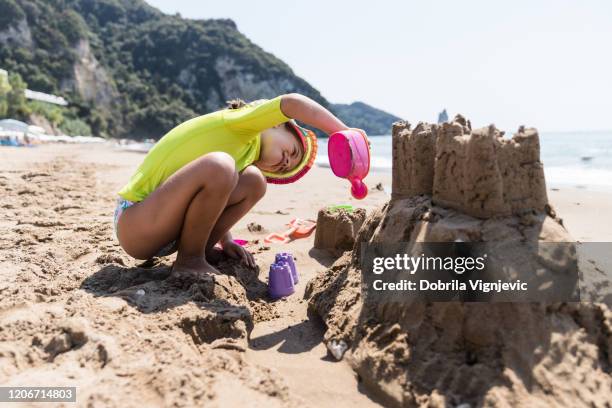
<point>250,189</point>
<point>186,206</point>
<point>191,259</point>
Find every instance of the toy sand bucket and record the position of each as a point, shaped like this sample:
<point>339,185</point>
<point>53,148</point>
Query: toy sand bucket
<point>286,257</point>
<point>280,281</point>
<point>349,158</point>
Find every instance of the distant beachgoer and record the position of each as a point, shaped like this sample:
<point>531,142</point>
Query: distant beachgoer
<point>208,172</point>
<point>443,117</point>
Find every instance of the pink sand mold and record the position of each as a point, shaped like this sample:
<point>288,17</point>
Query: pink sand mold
<point>280,281</point>
<point>286,257</point>
<point>349,158</point>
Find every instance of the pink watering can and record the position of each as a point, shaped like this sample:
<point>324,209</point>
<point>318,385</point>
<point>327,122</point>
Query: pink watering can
<point>349,158</point>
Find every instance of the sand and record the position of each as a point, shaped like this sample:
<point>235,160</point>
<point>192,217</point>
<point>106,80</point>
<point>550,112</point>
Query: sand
<point>410,351</point>
<point>72,312</point>
<point>75,310</point>
<point>446,354</point>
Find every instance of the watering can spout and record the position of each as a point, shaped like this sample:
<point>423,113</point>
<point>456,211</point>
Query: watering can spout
<point>358,189</point>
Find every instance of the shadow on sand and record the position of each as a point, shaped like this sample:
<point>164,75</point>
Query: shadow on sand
<point>299,338</point>
<point>150,287</point>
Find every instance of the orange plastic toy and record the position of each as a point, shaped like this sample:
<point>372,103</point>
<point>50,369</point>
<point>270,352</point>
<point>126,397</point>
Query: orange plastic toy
<point>298,228</point>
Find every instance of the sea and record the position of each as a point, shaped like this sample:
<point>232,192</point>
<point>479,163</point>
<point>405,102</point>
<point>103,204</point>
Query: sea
<point>571,159</point>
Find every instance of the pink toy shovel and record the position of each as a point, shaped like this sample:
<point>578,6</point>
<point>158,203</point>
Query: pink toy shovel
<point>349,158</point>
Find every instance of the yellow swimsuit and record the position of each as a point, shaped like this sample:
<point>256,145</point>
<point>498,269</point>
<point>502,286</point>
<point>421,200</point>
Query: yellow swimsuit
<point>233,131</point>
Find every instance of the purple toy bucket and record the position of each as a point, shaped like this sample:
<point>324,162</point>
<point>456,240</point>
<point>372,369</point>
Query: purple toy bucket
<point>280,281</point>
<point>285,257</point>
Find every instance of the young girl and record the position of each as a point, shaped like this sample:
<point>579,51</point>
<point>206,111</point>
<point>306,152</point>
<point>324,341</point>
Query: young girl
<point>208,172</point>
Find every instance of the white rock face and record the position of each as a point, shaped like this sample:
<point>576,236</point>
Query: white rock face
<point>90,80</point>
<point>237,82</point>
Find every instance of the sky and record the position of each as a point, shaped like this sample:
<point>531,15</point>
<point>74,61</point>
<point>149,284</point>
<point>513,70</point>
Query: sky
<point>546,63</point>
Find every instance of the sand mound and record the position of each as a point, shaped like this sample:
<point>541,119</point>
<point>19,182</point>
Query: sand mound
<point>337,228</point>
<point>451,183</point>
<point>76,311</point>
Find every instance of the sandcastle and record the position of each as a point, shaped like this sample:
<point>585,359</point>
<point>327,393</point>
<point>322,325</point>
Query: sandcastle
<point>337,228</point>
<point>452,183</point>
<point>477,172</point>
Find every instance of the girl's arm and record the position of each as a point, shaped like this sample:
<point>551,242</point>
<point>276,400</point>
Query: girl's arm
<point>306,110</point>
<point>227,237</point>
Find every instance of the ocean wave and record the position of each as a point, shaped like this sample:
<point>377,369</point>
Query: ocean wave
<point>578,176</point>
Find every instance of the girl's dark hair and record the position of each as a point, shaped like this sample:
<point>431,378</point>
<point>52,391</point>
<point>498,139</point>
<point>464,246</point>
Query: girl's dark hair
<point>235,103</point>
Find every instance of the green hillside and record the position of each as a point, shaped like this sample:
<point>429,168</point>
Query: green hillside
<point>364,116</point>
<point>131,71</point>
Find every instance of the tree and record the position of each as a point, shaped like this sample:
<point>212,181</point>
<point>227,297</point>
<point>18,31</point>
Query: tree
<point>16,100</point>
<point>10,13</point>
<point>5,88</point>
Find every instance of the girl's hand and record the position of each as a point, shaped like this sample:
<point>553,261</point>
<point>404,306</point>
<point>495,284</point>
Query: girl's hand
<point>360,131</point>
<point>364,135</point>
<point>235,251</point>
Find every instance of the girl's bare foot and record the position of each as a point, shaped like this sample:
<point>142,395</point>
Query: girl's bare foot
<point>192,268</point>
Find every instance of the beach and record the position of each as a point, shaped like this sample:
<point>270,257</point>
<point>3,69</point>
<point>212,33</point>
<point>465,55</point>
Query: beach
<point>475,272</point>
<point>75,310</point>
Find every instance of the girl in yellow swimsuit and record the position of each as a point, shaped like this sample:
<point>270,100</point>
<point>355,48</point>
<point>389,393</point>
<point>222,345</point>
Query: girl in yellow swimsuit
<point>208,172</point>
